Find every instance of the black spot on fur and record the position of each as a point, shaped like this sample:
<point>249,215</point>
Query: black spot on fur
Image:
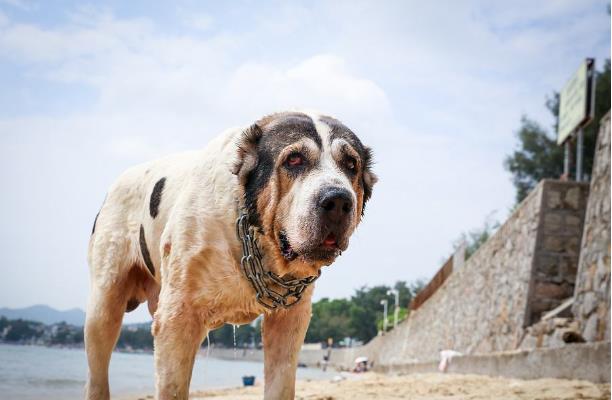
<point>145,252</point>
<point>256,180</point>
<point>277,132</point>
<point>156,197</point>
<point>132,304</point>
<point>286,128</point>
<point>93,230</point>
<point>339,131</point>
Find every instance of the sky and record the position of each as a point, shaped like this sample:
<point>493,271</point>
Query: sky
<point>437,89</point>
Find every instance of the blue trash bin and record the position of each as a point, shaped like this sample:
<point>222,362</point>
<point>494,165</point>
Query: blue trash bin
<point>248,380</point>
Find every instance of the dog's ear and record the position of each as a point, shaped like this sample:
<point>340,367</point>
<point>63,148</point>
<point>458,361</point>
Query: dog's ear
<point>369,177</point>
<point>246,159</point>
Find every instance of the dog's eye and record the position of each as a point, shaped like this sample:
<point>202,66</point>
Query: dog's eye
<point>351,164</point>
<point>295,160</point>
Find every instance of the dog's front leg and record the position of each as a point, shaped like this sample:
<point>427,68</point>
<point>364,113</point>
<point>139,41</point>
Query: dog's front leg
<point>178,332</point>
<point>283,335</point>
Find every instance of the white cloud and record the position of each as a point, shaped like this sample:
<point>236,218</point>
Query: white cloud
<point>21,4</point>
<point>197,21</point>
<point>436,94</point>
<point>135,69</point>
<point>321,82</point>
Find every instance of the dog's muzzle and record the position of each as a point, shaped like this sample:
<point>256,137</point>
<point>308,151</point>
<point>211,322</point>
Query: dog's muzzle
<point>272,291</point>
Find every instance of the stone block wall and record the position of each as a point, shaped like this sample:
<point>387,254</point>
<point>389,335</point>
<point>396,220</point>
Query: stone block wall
<point>555,261</point>
<point>481,307</point>
<point>592,295</point>
<point>526,268</point>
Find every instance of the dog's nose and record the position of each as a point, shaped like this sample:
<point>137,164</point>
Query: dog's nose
<point>336,204</point>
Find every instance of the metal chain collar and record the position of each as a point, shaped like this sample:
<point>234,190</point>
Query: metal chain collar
<point>261,280</point>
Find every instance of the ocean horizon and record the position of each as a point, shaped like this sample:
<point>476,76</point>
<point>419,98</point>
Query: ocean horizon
<point>35,372</point>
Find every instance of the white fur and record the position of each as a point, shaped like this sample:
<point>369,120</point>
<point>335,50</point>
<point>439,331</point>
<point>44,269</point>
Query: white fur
<point>198,284</point>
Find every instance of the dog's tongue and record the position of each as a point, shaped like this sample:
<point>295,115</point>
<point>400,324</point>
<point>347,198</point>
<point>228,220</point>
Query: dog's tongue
<point>330,240</point>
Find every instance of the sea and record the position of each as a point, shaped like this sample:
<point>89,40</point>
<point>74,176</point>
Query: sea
<point>36,372</point>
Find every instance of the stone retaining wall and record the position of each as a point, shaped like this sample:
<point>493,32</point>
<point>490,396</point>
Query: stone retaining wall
<point>589,361</point>
<point>481,307</point>
<point>592,296</point>
<point>525,269</point>
<point>555,261</point>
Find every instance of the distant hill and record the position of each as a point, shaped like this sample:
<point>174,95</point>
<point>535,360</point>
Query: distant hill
<point>45,314</point>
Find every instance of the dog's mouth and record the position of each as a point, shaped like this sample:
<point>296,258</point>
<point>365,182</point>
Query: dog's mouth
<point>327,250</point>
<point>330,242</point>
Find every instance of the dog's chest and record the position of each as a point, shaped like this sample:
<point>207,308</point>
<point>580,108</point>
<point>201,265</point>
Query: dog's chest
<point>222,293</point>
<point>233,305</point>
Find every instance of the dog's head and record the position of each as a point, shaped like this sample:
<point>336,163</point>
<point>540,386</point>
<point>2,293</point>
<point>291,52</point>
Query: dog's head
<point>306,180</point>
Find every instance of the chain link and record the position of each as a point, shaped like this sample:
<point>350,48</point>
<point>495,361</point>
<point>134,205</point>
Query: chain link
<point>260,280</point>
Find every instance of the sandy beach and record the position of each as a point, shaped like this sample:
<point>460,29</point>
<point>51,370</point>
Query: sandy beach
<point>423,386</point>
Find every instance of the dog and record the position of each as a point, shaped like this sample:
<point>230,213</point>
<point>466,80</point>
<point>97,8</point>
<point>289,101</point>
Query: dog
<point>224,235</point>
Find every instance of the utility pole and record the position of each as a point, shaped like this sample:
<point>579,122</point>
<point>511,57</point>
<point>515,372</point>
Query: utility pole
<point>384,303</point>
<point>566,160</point>
<point>579,154</point>
<point>396,309</point>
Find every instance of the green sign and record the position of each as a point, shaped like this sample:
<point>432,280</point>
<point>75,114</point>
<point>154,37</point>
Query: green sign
<point>576,102</point>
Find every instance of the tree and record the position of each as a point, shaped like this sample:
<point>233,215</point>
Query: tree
<point>538,156</point>
<point>408,291</point>
<point>366,310</point>
<point>65,334</point>
<point>359,316</point>
<point>138,337</point>
<point>330,319</point>
<point>20,330</point>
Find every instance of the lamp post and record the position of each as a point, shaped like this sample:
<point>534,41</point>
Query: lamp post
<point>384,303</point>
<point>396,309</point>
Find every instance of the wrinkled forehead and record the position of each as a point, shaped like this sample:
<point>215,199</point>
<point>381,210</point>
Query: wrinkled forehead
<point>283,129</point>
<point>337,130</point>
